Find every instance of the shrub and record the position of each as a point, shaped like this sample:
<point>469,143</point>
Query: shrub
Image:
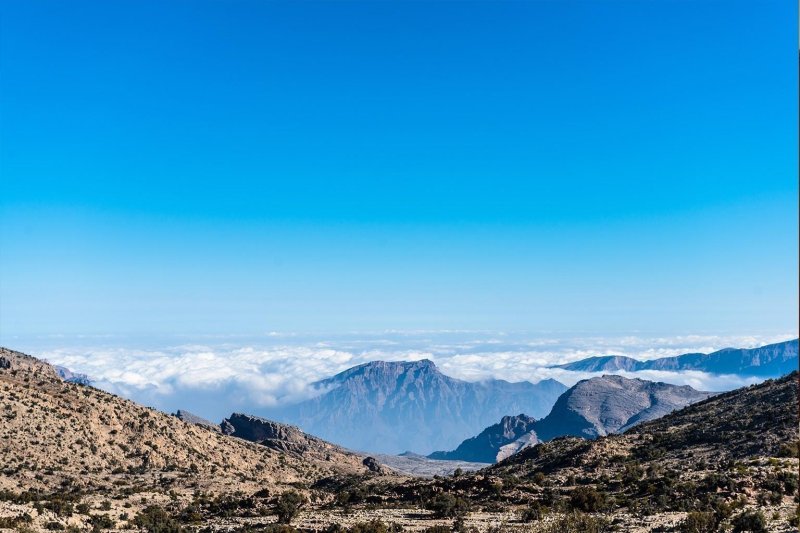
<point>534,512</point>
<point>154,519</point>
<point>751,521</point>
<point>101,521</point>
<point>438,529</point>
<point>587,499</point>
<point>288,506</point>
<point>699,522</point>
<point>447,506</point>
<point>577,522</point>
<point>373,526</point>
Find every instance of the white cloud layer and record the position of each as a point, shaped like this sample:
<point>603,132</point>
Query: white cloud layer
<point>220,376</point>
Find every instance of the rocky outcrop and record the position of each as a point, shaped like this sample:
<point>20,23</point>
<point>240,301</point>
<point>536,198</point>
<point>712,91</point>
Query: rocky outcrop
<point>487,445</point>
<point>373,465</point>
<point>285,438</point>
<point>390,407</point>
<point>191,418</point>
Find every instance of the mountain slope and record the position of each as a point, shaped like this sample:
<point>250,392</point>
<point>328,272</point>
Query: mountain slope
<point>591,408</point>
<point>759,420</point>
<point>766,361</point>
<point>391,407</point>
<point>54,430</point>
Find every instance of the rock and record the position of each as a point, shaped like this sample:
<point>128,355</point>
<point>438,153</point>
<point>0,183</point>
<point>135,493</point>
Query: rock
<point>373,465</point>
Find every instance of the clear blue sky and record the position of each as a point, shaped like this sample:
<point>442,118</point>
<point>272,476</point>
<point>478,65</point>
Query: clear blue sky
<point>242,167</point>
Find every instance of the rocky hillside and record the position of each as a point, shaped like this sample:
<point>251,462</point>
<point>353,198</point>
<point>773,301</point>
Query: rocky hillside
<point>492,444</point>
<point>727,463</point>
<point>591,408</point>
<point>63,438</point>
<point>773,360</point>
<point>392,407</point>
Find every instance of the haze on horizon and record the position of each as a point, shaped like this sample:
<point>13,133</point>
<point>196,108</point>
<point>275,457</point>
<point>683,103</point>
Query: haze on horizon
<point>236,169</point>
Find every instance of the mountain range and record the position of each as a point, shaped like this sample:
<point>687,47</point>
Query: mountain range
<point>77,458</point>
<point>391,407</point>
<point>591,408</point>
<point>773,360</point>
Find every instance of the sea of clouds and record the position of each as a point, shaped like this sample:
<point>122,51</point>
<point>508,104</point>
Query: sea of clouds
<point>214,376</point>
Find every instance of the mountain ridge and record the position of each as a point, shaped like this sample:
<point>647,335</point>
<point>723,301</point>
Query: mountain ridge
<point>410,405</point>
<point>771,360</point>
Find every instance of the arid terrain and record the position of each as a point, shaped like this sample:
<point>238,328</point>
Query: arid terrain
<point>77,458</point>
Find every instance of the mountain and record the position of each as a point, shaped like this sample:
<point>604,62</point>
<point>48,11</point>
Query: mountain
<point>767,361</point>
<point>591,408</point>
<point>65,444</point>
<point>487,445</point>
<point>726,463</point>
<point>390,407</point>
<point>67,375</point>
<point>759,420</point>
<point>612,404</point>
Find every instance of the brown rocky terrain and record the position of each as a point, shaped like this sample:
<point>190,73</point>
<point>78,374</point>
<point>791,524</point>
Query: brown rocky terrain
<point>77,444</point>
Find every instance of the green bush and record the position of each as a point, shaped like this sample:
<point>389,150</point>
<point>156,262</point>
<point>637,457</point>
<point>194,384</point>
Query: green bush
<point>750,521</point>
<point>534,512</point>
<point>587,499</point>
<point>447,506</point>
<point>438,529</point>
<point>577,522</point>
<point>288,506</point>
<point>154,519</point>
<point>699,522</point>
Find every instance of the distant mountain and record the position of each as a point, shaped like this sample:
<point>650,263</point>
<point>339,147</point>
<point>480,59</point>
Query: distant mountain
<point>67,375</point>
<point>773,360</point>
<point>592,408</point>
<point>486,446</point>
<point>390,407</point>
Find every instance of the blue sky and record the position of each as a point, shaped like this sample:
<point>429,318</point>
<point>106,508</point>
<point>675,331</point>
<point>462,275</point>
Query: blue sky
<point>246,167</point>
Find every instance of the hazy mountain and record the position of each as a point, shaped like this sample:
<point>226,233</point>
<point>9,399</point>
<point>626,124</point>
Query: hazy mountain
<point>390,407</point>
<point>67,375</point>
<point>486,446</point>
<point>767,361</point>
<point>591,408</point>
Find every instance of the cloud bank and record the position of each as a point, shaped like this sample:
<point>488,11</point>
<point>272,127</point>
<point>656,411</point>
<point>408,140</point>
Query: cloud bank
<point>222,375</point>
